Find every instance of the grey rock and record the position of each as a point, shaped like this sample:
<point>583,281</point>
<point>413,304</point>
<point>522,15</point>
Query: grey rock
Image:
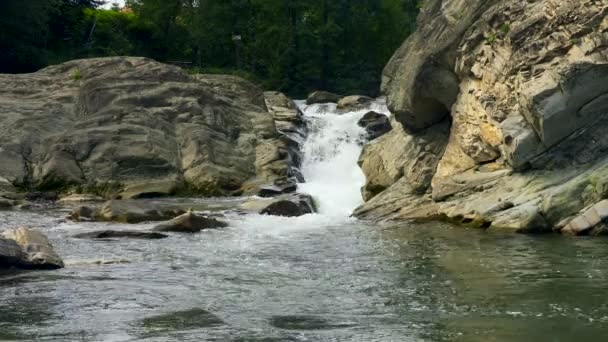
<point>38,251</point>
<point>320,96</point>
<point>131,127</point>
<point>354,102</point>
<point>189,223</point>
<point>375,124</point>
<point>290,206</point>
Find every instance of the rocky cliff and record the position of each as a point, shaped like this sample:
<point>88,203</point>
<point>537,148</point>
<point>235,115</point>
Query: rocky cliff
<point>132,127</point>
<point>502,107</point>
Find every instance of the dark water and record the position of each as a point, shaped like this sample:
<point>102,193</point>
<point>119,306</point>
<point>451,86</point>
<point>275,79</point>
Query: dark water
<point>309,279</point>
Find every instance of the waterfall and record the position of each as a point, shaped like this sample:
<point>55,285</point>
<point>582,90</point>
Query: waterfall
<point>330,156</point>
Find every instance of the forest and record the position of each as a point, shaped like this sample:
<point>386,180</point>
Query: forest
<point>295,46</point>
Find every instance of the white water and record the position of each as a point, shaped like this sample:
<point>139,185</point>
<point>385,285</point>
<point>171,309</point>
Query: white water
<point>331,152</point>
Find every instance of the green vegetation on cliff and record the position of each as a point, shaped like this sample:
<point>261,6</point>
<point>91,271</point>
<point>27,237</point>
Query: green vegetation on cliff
<point>294,46</point>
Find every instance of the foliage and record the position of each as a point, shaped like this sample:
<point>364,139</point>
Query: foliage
<point>292,45</point>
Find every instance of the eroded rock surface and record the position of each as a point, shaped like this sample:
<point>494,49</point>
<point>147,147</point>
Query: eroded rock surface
<point>523,88</point>
<point>132,127</point>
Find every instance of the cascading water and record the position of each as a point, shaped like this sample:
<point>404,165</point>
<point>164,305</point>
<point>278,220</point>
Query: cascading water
<point>331,153</point>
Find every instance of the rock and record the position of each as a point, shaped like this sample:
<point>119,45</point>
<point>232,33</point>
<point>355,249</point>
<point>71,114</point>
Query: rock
<point>11,254</point>
<point>276,190</point>
<point>6,185</point>
<point>320,96</point>
<point>37,248</point>
<point>375,125</point>
<point>41,196</point>
<point>80,198</point>
<point>6,203</point>
<point>124,211</point>
<point>129,234</point>
<point>189,223</point>
<point>525,93</point>
<point>290,206</point>
<point>593,221</point>
<point>135,212</point>
<point>353,102</point>
<point>82,213</point>
<point>131,127</point>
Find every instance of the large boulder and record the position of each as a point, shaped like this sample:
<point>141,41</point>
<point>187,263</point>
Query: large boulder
<point>36,250</point>
<point>375,124</point>
<point>321,96</point>
<point>290,206</point>
<point>131,127</point>
<point>189,222</point>
<point>523,86</point>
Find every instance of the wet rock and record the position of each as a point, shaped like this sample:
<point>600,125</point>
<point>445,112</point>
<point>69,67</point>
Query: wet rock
<point>375,124</point>
<point>353,102</point>
<point>11,254</point>
<point>320,96</point>
<point>290,206</point>
<point>37,248</point>
<point>276,190</point>
<point>189,223</point>
<point>114,234</point>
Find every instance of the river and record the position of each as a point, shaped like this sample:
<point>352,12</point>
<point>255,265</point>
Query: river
<point>324,277</point>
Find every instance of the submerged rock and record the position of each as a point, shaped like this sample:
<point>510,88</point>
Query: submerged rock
<point>189,223</point>
<point>129,234</point>
<point>290,206</point>
<point>320,96</point>
<point>182,320</point>
<point>36,250</point>
<point>375,124</point>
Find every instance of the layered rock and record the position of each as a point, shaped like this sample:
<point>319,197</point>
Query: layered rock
<point>524,86</point>
<point>132,127</point>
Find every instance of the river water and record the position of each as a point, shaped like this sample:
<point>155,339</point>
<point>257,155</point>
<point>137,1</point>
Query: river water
<point>322,277</point>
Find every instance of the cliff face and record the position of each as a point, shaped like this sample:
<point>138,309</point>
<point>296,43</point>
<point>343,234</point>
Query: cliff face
<point>133,127</point>
<point>524,87</point>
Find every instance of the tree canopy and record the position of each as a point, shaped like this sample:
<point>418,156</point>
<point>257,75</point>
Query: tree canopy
<point>291,45</point>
